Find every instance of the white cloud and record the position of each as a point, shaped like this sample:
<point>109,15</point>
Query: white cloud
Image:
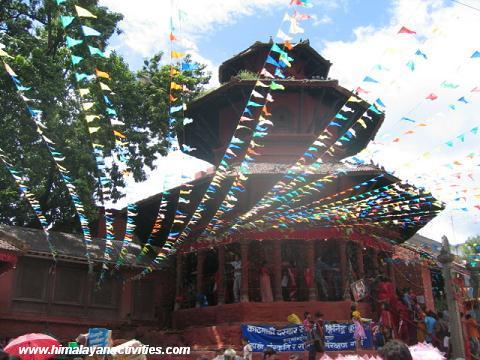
<point>448,36</point>
<point>184,168</point>
<point>322,20</point>
<point>146,24</point>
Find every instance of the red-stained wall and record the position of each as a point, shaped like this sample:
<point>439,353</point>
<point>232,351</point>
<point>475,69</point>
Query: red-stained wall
<point>66,321</point>
<point>416,277</point>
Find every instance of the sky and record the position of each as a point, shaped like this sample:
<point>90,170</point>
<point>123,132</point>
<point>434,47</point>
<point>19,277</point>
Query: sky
<point>427,142</point>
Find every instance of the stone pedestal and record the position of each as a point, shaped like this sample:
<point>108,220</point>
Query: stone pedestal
<point>446,258</point>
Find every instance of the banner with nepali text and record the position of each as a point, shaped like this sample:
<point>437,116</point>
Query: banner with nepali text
<point>338,337</point>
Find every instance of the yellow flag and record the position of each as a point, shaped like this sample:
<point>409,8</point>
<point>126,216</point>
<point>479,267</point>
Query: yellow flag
<point>84,92</point>
<point>105,87</point>
<point>362,122</point>
<point>175,86</point>
<point>102,74</point>
<point>92,130</point>
<point>173,71</point>
<point>88,105</point>
<point>177,55</point>
<point>261,84</point>
<point>81,12</point>
<point>121,143</point>
<point>90,118</point>
<point>354,99</point>
<point>4,54</point>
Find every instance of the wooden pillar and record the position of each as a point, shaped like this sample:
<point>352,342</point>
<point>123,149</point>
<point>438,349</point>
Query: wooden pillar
<point>361,267</point>
<point>342,248</point>
<point>200,261</point>
<point>391,269</point>
<point>245,266</point>
<point>310,262</point>
<point>375,261</point>
<point>277,270</point>
<point>178,281</point>
<point>221,276</point>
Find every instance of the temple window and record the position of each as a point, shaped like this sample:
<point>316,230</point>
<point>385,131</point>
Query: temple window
<point>32,281</point>
<point>69,284</point>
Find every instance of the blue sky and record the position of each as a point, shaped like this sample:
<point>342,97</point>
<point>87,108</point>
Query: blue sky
<point>356,35</point>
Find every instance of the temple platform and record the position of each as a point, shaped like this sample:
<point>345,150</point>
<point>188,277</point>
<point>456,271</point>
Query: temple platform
<point>263,313</point>
<point>219,327</point>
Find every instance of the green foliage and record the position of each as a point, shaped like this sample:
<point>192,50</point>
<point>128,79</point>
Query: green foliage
<point>468,249</point>
<point>31,31</point>
<point>246,75</point>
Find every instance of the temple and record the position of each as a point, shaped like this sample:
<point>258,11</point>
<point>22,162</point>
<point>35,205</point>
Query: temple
<point>195,298</point>
<point>206,308</point>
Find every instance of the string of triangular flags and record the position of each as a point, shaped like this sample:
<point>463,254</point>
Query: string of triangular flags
<point>57,156</point>
<point>250,131</point>
<point>242,130</point>
<point>22,182</point>
<point>312,159</point>
<point>157,225</point>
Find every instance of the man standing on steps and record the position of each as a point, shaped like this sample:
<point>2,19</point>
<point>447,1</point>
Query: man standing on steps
<point>237,277</point>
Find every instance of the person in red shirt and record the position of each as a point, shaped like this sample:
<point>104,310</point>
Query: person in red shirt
<point>386,322</point>
<point>473,334</point>
<point>403,322</point>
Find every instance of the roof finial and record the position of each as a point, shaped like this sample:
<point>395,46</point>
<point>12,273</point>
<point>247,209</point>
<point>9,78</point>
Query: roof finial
<point>271,39</point>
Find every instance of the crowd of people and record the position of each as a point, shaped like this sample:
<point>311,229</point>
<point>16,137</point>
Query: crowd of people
<point>393,350</point>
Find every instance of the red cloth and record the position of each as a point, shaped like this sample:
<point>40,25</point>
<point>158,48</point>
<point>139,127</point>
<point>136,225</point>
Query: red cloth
<point>308,277</point>
<point>386,319</point>
<point>403,323</point>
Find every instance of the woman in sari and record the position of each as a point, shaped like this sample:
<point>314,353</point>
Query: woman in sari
<point>292,281</point>
<point>265,284</point>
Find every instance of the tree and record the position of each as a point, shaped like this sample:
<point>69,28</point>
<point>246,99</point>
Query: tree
<point>32,33</point>
<point>470,248</point>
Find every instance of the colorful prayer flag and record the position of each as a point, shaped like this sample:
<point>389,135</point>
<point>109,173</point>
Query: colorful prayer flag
<point>81,12</point>
<point>404,30</point>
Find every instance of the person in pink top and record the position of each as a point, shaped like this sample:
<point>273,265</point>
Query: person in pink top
<point>265,284</point>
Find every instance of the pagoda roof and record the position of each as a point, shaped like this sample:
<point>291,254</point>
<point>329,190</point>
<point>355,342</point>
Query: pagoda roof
<point>236,82</point>
<point>320,66</point>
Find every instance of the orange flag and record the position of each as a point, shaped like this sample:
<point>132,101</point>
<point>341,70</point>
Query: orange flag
<point>119,134</point>
<point>172,99</point>
<point>172,37</point>
<point>102,74</point>
<point>288,45</point>
<point>265,111</point>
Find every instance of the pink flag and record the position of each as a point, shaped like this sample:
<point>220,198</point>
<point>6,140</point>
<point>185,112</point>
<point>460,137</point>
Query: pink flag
<point>265,73</point>
<point>299,16</point>
<point>432,97</point>
<point>476,89</point>
<point>404,30</point>
<point>359,90</point>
